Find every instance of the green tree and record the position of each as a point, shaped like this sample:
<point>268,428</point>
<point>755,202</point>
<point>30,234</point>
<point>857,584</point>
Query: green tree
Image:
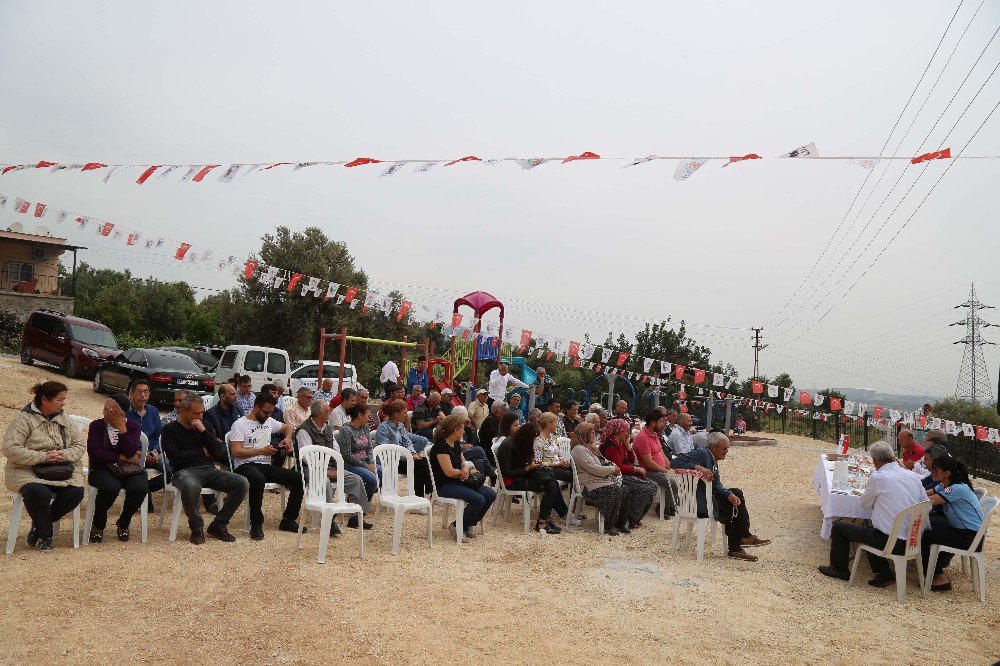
<point>967,411</point>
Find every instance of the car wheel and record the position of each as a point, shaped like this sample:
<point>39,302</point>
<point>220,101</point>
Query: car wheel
<point>26,356</point>
<point>69,367</point>
<point>98,384</point>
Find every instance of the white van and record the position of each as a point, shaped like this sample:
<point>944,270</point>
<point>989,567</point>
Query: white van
<point>304,373</point>
<point>264,365</point>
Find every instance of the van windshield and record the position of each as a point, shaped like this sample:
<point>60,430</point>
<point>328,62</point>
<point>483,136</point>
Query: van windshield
<point>101,337</point>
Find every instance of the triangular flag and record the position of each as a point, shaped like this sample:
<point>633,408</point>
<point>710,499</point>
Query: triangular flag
<point>293,281</point>
<point>808,150</point>
<point>467,158</point>
<point>204,172</point>
<point>788,394</point>
<point>331,290</point>
<point>404,308</point>
<point>351,293</point>
<point>533,162</point>
<point>181,251</point>
<point>756,387</point>
<point>311,287</point>
<point>582,156</point>
<point>250,269</point>
<point>687,166</point>
<point>936,155</point>
<point>360,161</point>
<point>748,156</point>
<point>622,357</point>
<point>146,174</point>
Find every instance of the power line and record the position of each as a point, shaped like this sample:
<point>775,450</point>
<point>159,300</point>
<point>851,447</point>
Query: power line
<point>969,386</point>
<point>884,146</point>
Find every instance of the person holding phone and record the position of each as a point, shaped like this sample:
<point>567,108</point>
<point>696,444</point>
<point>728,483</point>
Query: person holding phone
<point>111,440</point>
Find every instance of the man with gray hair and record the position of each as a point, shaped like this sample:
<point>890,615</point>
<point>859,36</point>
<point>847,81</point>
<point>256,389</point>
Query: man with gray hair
<point>298,412</point>
<point>728,504</point>
<point>191,447</point>
<point>317,430</point>
<point>890,490</point>
<point>491,428</point>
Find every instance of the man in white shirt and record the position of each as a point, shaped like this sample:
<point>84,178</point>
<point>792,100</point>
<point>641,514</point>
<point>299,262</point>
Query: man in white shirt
<point>390,375</point>
<point>890,490</point>
<point>338,417</point>
<point>250,449</point>
<point>316,430</point>
<point>680,440</point>
<point>500,379</point>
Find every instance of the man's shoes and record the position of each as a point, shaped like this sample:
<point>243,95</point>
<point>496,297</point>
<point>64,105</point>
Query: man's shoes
<point>743,555</point>
<point>623,529</point>
<point>941,587</point>
<point>834,573</point>
<point>753,540</point>
<point>256,532</point>
<point>880,581</point>
<point>287,525</point>
<point>334,530</point>
<point>32,538</point>
<point>221,533</point>
<point>197,537</point>
<point>45,545</point>
<point>611,531</point>
<point>353,524</point>
<point>212,508</point>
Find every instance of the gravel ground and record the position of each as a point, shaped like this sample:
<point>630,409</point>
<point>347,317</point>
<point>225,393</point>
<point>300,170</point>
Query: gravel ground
<point>573,598</point>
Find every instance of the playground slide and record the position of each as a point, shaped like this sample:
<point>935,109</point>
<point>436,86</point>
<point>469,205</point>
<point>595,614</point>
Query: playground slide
<point>435,386</point>
<point>528,375</point>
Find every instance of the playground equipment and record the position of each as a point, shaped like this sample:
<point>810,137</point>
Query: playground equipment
<point>469,353</point>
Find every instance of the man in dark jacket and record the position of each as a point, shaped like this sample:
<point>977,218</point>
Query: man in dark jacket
<point>728,505</point>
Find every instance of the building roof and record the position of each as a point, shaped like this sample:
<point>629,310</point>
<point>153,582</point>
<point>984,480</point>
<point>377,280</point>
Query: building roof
<point>36,240</point>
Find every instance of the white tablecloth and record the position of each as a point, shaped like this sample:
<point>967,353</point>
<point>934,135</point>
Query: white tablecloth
<point>834,505</point>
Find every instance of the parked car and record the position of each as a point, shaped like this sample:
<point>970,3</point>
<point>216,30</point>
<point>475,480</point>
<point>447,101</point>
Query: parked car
<point>304,373</point>
<point>204,360</point>
<point>75,345</point>
<point>264,365</point>
<point>166,371</point>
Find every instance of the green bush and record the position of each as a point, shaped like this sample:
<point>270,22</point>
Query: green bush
<point>11,328</point>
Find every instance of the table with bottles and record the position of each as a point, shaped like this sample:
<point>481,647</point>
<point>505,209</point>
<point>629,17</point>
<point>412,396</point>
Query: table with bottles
<point>840,487</point>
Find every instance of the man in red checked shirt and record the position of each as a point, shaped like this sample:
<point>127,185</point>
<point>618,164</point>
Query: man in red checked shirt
<point>912,451</point>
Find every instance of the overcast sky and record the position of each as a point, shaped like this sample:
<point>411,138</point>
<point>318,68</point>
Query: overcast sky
<point>575,248</point>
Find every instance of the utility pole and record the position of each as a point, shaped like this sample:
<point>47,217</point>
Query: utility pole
<point>757,347</point>
<point>973,381</point>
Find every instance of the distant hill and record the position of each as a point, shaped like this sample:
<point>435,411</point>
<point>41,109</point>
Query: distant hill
<point>873,397</point>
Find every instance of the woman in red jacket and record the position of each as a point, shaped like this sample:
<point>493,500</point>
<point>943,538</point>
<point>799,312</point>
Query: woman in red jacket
<point>112,440</point>
<point>640,491</point>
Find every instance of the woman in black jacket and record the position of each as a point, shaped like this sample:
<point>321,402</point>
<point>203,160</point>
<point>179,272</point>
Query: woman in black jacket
<point>515,455</point>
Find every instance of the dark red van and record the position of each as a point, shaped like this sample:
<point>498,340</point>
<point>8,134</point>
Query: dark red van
<point>77,346</point>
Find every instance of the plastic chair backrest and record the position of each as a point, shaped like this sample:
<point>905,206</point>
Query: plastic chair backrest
<point>434,487</point>
<point>988,505</point>
<point>229,453</point>
<point>564,446</point>
<point>577,488</point>
<point>209,401</point>
<point>316,460</point>
<point>909,524</point>
<point>143,450</point>
<point>82,422</point>
<point>388,457</point>
<point>687,492</point>
<point>980,492</point>
<point>286,402</point>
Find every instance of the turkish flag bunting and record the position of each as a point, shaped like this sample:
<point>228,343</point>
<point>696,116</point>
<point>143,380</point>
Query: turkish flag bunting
<point>679,371</point>
<point>132,238</point>
<point>597,368</point>
<point>525,337</point>
<point>757,387</point>
<point>582,156</point>
<point>734,160</point>
<point>39,209</point>
<point>576,363</point>
<point>276,164</point>
<point>574,348</point>
<point>42,164</point>
<point>456,320</point>
<point>622,357</point>
<point>699,376</point>
<point>293,281</point>
<point>146,174</point>
<point>204,172</point>
<point>936,155</point>
<point>835,404</point>
<point>90,166</point>
<point>179,254</point>
<point>982,434</point>
<point>467,158</point>
<point>250,268</point>
<point>108,226</point>
<point>351,293</point>
<point>877,413</point>
<point>805,398</point>
<point>404,308</point>
<point>361,161</point>
<point>10,168</point>
<point>922,421</point>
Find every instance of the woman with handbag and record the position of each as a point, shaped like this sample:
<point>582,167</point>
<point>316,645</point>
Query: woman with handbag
<point>43,448</point>
<point>547,451</point>
<point>600,479</point>
<point>520,471</point>
<point>457,479</point>
<point>113,447</point>
<point>639,491</point>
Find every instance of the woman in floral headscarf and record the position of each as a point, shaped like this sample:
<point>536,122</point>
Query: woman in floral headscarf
<point>639,491</point>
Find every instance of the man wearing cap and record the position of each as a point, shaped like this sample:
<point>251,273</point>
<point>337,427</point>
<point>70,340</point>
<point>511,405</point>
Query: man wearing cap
<point>446,401</point>
<point>479,409</point>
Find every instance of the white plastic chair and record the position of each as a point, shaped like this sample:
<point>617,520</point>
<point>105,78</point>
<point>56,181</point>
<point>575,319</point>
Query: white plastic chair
<point>446,503</point>
<point>388,457</point>
<point>287,401</point>
<point>687,510</point>
<point>980,492</point>
<point>88,521</point>
<point>505,497</point>
<point>909,524</point>
<point>315,460</point>
<point>82,422</point>
<point>175,505</point>
<point>267,486</point>
<point>210,400</point>
<point>576,498</point>
<point>988,505</point>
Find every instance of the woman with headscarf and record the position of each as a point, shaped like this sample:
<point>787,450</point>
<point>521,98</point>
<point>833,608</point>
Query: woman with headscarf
<point>600,480</point>
<point>111,442</point>
<point>640,491</point>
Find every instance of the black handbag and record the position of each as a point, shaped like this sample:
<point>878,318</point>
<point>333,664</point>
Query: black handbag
<point>53,471</point>
<point>123,470</point>
<point>475,480</point>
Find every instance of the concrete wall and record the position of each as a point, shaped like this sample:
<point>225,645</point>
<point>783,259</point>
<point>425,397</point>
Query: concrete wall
<point>25,304</point>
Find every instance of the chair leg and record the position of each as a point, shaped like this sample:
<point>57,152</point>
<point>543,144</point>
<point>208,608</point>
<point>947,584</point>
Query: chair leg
<point>175,517</point>
<point>324,536</point>
<point>163,509</point>
<point>677,532</point>
<point>700,550</point>
<point>526,515</point>
<point>298,535</point>
<point>430,526</point>
<point>88,519</point>
<point>361,535</point>
<point>15,522</point>
<point>397,528</point>
<point>931,566</point>
<point>76,526</point>
<point>900,567</point>
<point>445,510</point>
<point>920,574</point>
<point>459,515</point>
<point>979,575</point>
<point>854,568</point>
<point>600,523</point>
<point>144,521</point>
